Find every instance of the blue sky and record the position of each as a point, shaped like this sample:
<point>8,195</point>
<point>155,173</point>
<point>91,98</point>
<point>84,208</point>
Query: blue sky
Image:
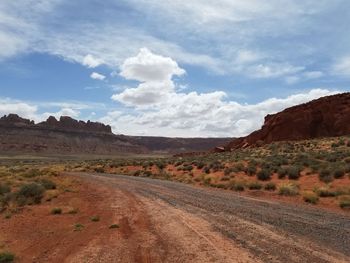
<point>171,68</point>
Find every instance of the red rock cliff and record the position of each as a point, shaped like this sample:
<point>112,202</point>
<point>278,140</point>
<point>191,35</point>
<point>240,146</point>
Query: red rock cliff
<point>325,117</point>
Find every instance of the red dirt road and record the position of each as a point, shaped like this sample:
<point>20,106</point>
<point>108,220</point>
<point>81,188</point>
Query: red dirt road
<point>162,221</point>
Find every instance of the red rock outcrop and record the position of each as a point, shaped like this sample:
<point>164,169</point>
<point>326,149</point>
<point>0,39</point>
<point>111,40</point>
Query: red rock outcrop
<point>325,117</point>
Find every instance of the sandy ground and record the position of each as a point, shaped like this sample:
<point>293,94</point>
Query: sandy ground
<point>162,221</point>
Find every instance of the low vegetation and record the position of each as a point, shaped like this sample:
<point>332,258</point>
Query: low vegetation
<point>6,257</point>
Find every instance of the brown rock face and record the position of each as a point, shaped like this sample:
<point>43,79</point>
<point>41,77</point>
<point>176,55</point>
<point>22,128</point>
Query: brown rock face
<point>69,136</point>
<point>69,124</point>
<point>325,117</point>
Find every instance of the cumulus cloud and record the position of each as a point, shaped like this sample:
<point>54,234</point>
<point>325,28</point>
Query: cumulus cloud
<point>40,111</point>
<point>149,67</point>
<point>91,62</point>
<point>97,76</point>
<point>162,109</point>
<point>23,109</point>
<point>155,73</point>
<point>63,112</point>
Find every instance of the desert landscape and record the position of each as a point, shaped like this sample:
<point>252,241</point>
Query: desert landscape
<point>174,131</point>
<point>229,203</point>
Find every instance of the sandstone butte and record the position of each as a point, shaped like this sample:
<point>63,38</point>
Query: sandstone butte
<point>325,117</point>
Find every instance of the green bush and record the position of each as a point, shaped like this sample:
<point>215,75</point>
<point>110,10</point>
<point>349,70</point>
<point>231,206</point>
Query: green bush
<point>114,226</point>
<point>6,257</point>
<point>95,218</point>
<point>206,169</point>
<point>251,169</point>
<point>325,176</point>
<point>188,168</point>
<point>338,173</point>
<point>255,186</point>
<point>48,184</point>
<point>78,227</point>
<point>310,197</point>
<point>264,175</point>
<point>344,203</point>
<point>31,192</point>
<point>238,186</point>
<point>324,192</point>
<point>4,189</point>
<point>282,172</point>
<point>99,169</point>
<point>288,189</point>
<point>270,186</point>
<point>56,211</point>
<point>293,173</point>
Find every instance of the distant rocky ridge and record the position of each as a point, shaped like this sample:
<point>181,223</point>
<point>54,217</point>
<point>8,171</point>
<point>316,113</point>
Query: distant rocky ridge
<point>324,117</point>
<point>69,136</point>
<point>65,123</point>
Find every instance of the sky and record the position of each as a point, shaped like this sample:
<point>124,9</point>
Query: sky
<point>172,67</point>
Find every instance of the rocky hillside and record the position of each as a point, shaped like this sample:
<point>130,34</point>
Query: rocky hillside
<point>69,136</point>
<point>63,136</point>
<point>325,117</point>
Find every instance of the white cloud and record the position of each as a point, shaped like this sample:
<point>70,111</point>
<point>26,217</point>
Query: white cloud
<point>63,112</point>
<point>23,109</point>
<point>206,114</point>
<point>40,111</point>
<point>161,109</point>
<point>97,76</point>
<point>91,62</point>
<point>155,74</point>
<point>342,67</point>
<point>147,66</point>
<point>273,70</point>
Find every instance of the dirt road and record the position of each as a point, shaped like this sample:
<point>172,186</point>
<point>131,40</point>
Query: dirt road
<point>162,221</point>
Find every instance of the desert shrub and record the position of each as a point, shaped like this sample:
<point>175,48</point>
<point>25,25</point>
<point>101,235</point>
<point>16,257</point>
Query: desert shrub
<point>32,173</point>
<point>270,186</point>
<point>6,257</point>
<point>188,168</point>
<point>95,218</point>
<point>338,173</point>
<point>282,172</point>
<point>206,169</point>
<point>216,166</point>
<point>238,186</point>
<point>207,181</point>
<point>78,227</point>
<point>324,192</point>
<point>56,211</point>
<point>288,189</point>
<point>114,226</point>
<point>225,178</point>
<point>344,202</point>
<point>255,186</point>
<point>73,211</point>
<point>147,173</point>
<point>310,197</point>
<point>200,165</point>
<point>47,184</point>
<point>238,167</point>
<point>325,176</point>
<point>99,169</point>
<point>4,189</point>
<point>137,173</point>
<point>29,193</point>
<point>160,165</point>
<point>264,175</point>
<point>293,172</point>
<point>251,169</point>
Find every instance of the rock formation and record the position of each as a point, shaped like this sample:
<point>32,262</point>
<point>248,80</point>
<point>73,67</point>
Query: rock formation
<point>69,136</point>
<point>325,117</point>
